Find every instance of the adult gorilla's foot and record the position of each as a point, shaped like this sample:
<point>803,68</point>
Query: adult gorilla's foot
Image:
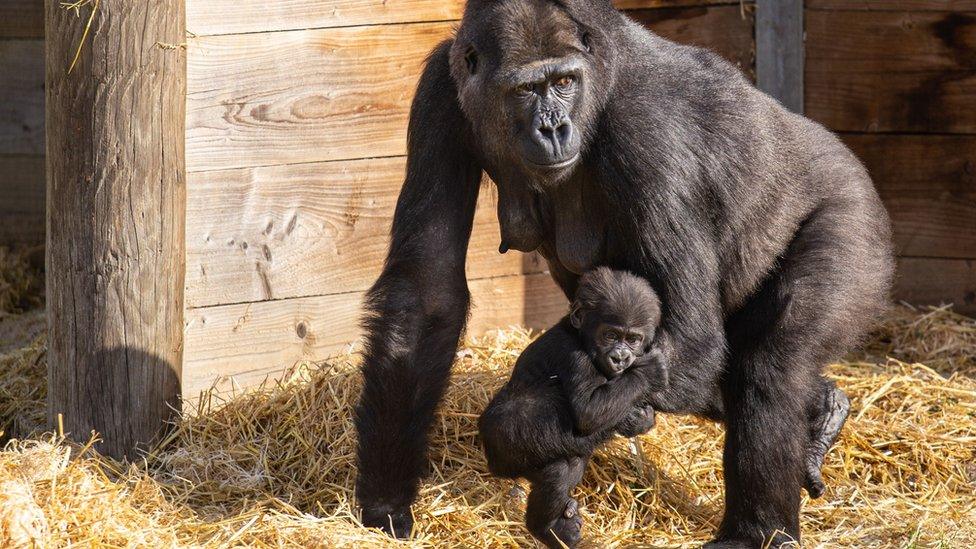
<point>825,429</point>
<point>728,545</point>
<point>395,522</point>
<point>565,530</point>
<point>779,541</point>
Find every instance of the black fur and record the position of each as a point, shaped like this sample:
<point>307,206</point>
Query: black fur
<point>761,233</point>
<point>544,424</point>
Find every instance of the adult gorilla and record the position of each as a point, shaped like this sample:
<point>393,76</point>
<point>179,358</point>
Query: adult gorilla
<point>611,146</point>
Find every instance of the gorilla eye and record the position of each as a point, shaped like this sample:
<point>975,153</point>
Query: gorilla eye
<point>524,89</point>
<point>471,58</point>
<point>634,339</point>
<point>612,335</point>
<point>565,82</point>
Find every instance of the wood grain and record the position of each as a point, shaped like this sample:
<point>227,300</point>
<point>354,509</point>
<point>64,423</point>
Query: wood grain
<point>278,232</point>
<point>928,184</point>
<point>22,19</point>
<point>892,71</point>
<point>728,30</point>
<point>348,90</point>
<point>21,200</point>
<point>303,96</point>
<point>249,342</point>
<point>116,200</point>
<point>213,17</point>
<point>884,5</point>
<point>22,96</point>
<point>934,281</point>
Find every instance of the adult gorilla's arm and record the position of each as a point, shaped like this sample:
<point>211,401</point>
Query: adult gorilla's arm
<point>416,310</point>
<point>663,213</point>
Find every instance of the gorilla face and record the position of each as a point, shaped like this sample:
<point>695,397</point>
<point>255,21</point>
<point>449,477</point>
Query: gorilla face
<point>542,100</point>
<point>526,74</point>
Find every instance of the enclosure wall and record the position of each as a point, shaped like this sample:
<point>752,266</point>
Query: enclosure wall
<point>897,79</point>
<point>21,122</point>
<point>296,126</point>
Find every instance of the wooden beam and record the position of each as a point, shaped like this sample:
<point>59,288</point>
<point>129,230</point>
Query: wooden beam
<point>892,71</point>
<point>928,184</point>
<point>216,17</point>
<point>348,94</point>
<point>936,281</point>
<point>779,51</point>
<point>885,5</point>
<point>240,345</point>
<point>256,234</point>
<point>115,220</point>
<point>727,30</point>
<point>349,89</point>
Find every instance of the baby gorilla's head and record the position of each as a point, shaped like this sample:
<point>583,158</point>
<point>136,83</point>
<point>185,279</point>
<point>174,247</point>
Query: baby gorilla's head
<point>616,313</point>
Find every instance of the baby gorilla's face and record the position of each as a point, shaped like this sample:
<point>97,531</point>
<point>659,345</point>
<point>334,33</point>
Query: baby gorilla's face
<point>617,347</point>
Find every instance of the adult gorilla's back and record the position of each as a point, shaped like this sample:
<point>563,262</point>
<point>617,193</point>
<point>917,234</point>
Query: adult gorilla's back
<point>611,146</point>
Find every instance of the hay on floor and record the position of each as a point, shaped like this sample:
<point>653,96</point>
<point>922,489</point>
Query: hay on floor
<point>275,467</point>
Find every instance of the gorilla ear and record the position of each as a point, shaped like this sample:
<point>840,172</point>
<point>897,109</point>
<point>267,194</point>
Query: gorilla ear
<point>576,315</point>
<point>471,59</point>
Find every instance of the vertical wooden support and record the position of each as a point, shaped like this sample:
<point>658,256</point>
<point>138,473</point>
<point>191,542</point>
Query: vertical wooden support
<point>780,51</point>
<point>115,219</point>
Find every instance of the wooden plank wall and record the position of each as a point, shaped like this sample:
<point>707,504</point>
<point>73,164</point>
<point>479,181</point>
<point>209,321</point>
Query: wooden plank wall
<point>296,126</point>
<point>897,79</point>
<point>21,122</point>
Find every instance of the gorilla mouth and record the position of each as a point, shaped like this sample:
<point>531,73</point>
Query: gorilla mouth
<point>557,165</point>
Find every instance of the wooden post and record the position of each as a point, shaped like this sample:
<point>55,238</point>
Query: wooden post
<point>780,51</point>
<point>115,219</point>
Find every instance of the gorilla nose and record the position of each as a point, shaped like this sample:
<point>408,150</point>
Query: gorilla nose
<point>618,359</point>
<point>553,134</point>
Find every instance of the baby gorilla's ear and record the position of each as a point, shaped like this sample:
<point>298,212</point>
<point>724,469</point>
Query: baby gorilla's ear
<point>576,315</point>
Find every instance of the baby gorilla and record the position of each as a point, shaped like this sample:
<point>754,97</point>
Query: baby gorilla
<point>570,391</point>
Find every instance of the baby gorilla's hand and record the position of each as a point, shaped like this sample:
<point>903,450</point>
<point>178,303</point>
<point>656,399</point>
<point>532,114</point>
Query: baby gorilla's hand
<point>653,370</point>
<point>640,421</point>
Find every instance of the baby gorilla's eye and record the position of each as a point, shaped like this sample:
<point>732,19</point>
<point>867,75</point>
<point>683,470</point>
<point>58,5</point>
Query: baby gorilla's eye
<point>612,336</point>
<point>634,339</point>
<point>564,82</point>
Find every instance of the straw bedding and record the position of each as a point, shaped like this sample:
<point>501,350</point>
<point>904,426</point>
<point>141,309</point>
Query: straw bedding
<point>275,467</point>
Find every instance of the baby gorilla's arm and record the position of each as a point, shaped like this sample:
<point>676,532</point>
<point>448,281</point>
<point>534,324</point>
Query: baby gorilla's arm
<point>599,403</point>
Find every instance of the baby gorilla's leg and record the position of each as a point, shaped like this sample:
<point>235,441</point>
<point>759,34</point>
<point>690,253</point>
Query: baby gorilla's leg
<point>826,421</point>
<point>640,421</point>
<point>551,514</point>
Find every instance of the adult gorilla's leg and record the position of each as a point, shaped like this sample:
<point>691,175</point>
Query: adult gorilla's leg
<point>831,282</point>
<point>551,513</point>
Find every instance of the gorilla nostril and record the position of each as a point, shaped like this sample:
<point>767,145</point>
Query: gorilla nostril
<point>563,132</point>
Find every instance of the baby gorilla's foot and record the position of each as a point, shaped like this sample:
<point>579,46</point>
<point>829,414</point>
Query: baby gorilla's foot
<point>640,421</point>
<point>566,530</point>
